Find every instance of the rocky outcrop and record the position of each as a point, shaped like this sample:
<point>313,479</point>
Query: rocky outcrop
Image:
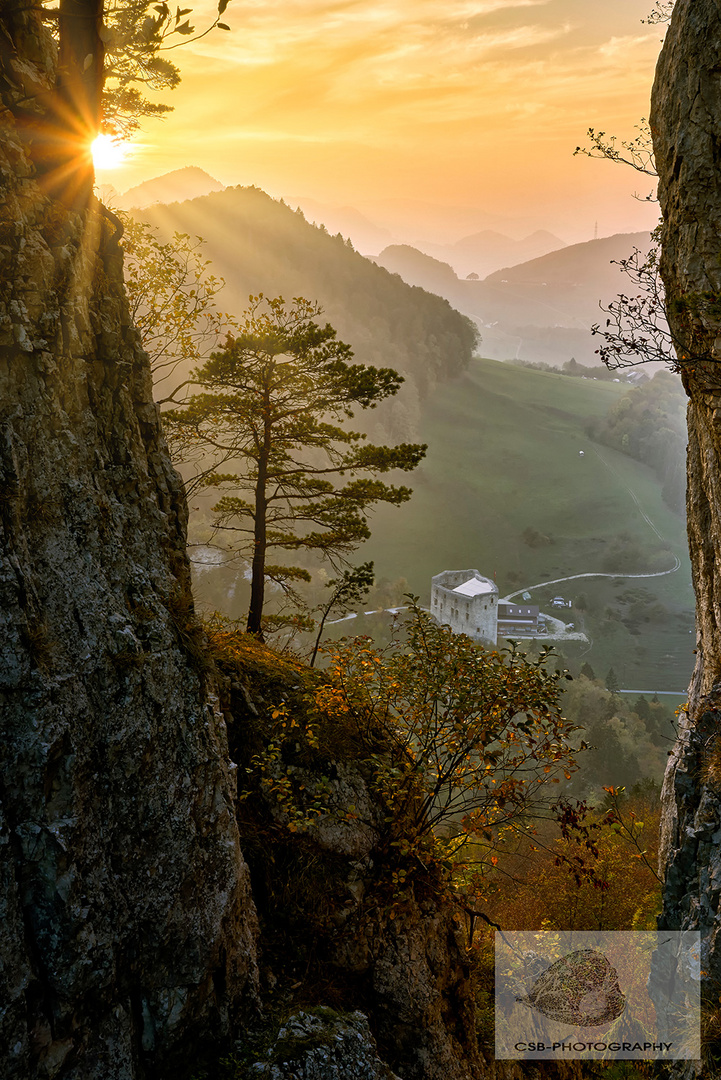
<point>417,988</point>
<point>686,126</point>
<point>339,926</point>
<point>127,929</point>
<point>322,1045</point>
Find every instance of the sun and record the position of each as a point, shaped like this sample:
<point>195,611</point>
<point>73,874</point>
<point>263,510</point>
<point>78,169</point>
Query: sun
<point>108,153</point>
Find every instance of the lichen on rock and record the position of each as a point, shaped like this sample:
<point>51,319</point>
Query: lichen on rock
<point>322,1045</point>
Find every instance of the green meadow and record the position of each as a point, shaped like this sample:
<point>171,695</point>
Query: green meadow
<point>506,489</point>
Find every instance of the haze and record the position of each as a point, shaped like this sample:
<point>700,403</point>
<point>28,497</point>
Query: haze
<point>437,115</point>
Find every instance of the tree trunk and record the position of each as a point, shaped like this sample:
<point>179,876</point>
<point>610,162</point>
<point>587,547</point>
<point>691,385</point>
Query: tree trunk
<point>61,135</point>
<point>686,127</point>
<point>260,543</point>
<point>81,59</point>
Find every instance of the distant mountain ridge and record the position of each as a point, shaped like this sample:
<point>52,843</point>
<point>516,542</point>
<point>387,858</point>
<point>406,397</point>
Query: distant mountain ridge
<point>483,252</point>
<point>541,238</point>
<point>480,252</point>
<point>177,186</point>
<point>417,268</point>
<point>365,234</point>
<point>539,310</point>
<point>578,263</point>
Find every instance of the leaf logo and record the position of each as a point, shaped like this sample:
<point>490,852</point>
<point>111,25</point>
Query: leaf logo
<point>580,988</point>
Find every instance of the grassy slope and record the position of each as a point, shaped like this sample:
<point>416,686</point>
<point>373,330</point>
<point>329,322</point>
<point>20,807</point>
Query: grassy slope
<point>504,455</point>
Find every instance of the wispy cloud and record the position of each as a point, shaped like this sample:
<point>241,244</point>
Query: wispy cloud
<point>265,32</point>
<point>414,88</point>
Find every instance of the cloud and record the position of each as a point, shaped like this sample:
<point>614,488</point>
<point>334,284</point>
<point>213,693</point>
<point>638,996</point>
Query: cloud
<point>361,93</point>
<point>621,49</point>
<point>267,33</point>
<point>307,56</point>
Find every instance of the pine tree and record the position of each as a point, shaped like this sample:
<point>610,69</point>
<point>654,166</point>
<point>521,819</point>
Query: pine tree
<point>612,681</point>
<point>272,408</point>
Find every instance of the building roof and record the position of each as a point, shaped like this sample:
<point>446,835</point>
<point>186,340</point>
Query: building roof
<point>474,587</point>
<point>506,610</point>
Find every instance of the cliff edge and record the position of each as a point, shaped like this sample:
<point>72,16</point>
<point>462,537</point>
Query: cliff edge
<point>686,126</point>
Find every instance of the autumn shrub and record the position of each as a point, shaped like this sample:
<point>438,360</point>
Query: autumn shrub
<point>594,870</point>
<point>464,740</point>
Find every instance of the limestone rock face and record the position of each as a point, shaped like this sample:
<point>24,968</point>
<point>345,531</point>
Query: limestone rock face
<point>323,895</point>
<point>686,125</point>
<point>127,930</point>
<point>419,981</point>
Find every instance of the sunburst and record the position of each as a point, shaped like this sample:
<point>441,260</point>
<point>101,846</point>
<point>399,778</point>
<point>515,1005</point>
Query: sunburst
<point>108,152</point>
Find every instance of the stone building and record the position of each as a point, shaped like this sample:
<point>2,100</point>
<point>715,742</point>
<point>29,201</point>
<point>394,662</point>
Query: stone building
<point>467,602</point>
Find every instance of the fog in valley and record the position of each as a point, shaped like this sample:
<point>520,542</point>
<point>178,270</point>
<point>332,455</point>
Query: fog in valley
<point>557,477</point>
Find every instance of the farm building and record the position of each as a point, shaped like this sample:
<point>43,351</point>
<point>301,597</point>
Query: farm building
<point>514,617</point>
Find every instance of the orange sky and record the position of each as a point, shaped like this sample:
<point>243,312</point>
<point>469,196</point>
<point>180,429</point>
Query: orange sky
<point>449,103</point>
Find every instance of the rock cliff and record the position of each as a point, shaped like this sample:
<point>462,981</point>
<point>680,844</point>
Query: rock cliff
<point>686,126</point>
<point>333,932</point>
<point>127,928</point>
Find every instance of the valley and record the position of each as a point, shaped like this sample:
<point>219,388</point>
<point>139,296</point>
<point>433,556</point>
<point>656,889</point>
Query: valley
<point>516,482</point>
<point>504,489</point>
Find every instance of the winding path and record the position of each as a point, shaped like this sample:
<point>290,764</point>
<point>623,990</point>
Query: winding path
<point>571,577</point>
<point>646,518</point>
<point>574,577</point>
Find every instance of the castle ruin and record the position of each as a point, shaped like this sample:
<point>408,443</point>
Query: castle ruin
<point>467,602</point>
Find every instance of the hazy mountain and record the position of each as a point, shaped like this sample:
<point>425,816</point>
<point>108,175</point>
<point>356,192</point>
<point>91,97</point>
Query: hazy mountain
<point>578,265</point>
<point>364,234</point>
<point>539,242</point>
<point>176,186</point>
<point>414,221</point>
<point>419,269</point>
<point>260,245</point>
<point>429,228</point>
<point>542,309</point>
<point>486,251</point>
<point>483,252</point>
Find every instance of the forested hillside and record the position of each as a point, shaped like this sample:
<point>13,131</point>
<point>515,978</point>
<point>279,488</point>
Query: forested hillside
<point>540,310</point>
<point>649,424</point>
<point>260,245</point>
